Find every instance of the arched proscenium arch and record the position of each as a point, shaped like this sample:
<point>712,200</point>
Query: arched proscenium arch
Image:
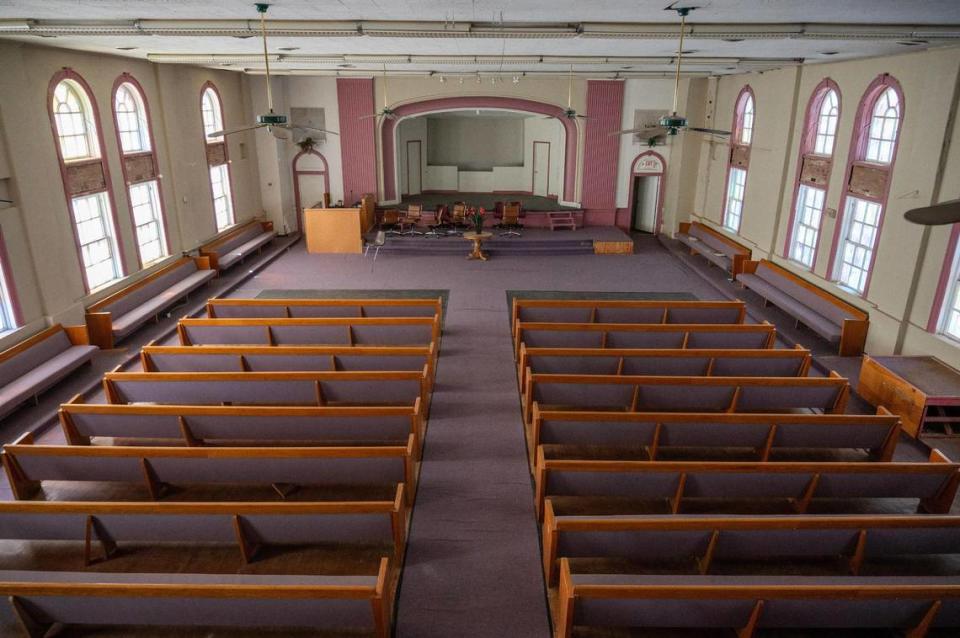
<point>388,130</point>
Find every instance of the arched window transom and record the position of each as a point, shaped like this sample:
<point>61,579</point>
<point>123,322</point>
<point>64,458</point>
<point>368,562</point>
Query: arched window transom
<point>131,119</point>
<point>827,120</point>
<point>76,132</point>
<point>884,125</point>
<point>212,114</point>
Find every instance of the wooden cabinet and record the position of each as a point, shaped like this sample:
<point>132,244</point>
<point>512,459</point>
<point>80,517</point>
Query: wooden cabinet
<point>924,391</point>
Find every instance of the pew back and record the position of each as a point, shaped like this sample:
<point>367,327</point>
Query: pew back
<point>626,335</point>
<point>234,308</point>
<point>376,331</point>
<point>626,311</point>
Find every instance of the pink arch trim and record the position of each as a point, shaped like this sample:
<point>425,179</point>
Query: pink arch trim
<point>660,187</point>
<point>296,180</point>
<point>467,102</point>
<point>811,121</point>
<point>858,149</point>
<point>66,73</point>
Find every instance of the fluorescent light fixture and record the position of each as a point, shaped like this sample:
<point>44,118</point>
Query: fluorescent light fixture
<point>15,25</point>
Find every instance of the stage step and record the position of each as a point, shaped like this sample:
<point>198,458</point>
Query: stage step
<point>561,220</point>
<point>515,245</point>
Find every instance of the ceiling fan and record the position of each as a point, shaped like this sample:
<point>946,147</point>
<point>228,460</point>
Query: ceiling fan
<point>275,123</point>
<point>936,215</point>
<point>570,113</point>
<point>672,123</point>
<point>386,112</point>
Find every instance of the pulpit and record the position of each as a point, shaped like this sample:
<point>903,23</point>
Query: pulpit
<point>338,230</point>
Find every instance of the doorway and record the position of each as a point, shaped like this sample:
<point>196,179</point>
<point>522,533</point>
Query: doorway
<point>413,167</point>
<point>541,168</point>
<point>311,182</point>
<point>646,195</point>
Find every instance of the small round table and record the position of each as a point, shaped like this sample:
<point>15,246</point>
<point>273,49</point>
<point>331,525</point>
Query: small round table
<point>477,239</point>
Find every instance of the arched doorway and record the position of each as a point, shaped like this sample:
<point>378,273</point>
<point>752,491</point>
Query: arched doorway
<point>311,181</point>
<point>388,133</point>
<point>646,192</point>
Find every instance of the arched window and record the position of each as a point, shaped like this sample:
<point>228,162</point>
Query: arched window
<point>140,169</point>
<point>86,178</point>
<point>873,151</point>
<point>945,317</point>
<point>741,138</point>
<point>813,173</point>
<point>75,131</point>
<point>218,160</point>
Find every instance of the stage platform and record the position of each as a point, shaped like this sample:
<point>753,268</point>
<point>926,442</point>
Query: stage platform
<point>600,240</point>
<point>487,200</point>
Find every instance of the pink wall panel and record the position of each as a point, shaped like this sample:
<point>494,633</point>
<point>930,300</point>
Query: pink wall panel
<point>602,150</point>
<point>358,149</point>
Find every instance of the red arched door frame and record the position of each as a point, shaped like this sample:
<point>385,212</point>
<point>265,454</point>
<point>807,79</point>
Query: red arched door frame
<point>296,180</point>
<point>639,170</point>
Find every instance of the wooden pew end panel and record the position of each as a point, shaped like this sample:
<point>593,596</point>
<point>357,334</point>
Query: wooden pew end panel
<point>100,329</point>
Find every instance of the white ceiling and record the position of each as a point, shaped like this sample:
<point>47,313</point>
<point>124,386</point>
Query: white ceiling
<point>632,37</point>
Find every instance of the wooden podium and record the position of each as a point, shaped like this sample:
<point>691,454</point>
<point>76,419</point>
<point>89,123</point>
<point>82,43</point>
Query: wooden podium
<point>338,230</point>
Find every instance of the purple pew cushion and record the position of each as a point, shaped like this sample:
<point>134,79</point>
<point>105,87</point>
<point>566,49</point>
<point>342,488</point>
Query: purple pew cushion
<point>43,375</point>
<point>237,252</point>
<point>159,299</point>
<point>820,324</point>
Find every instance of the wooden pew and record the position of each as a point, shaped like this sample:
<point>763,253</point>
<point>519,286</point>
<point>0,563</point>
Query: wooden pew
<point>157,468</point>
<point>745,604</point>
<point>234,308</point>
<point>321,603</point>
<point>664,362</point>
<point>120,314</point>
<point>196,425</point>
<point>625,311</point>
<point>713,246</point>
<point>268,388</point>
<point>763,434</point>
<point>639,393</point>
<point>288,359</point>
<point>934,483</point>
<point>98,527</point>
<point>765,543</point>
<point>839,322</point>
<point>235,244</point>
<point>336,331</point>
<point>638,335</point>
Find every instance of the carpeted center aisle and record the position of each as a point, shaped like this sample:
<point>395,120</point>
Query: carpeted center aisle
<point>473,563</point>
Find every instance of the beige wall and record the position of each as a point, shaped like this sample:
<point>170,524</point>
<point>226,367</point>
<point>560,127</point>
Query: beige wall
<point>38,233</point>
<point>928,80</point>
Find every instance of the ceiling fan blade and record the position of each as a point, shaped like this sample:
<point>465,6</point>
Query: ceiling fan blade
<point>936,215</point>
<point>646,131</point>
<point>231,131</point>
<point>303,127</point>
<point>711,131</point>
<point>582,117</point>
<point>367,117</point>
<point>280,133</point>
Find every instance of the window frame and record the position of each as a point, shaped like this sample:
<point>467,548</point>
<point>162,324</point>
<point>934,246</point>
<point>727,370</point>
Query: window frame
<point>856,157</point>
<point>122,79</point>
<point>744,97</point>
<point>68,74</point>
<point>207,142</point>
<point>8,291</point>
<point>947,286</point>
<point>808,143</point>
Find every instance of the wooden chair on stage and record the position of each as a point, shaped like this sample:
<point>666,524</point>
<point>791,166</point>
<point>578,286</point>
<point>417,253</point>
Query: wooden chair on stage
<point>510,221</point>
<point>390,221</point>
<point>411,219</point>
<point>458,216</point>
<point>441,225</point>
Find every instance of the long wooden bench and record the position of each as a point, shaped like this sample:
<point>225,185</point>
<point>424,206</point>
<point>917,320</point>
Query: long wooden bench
<point>611,335</point>
<point>351,603</point>
<point>343,331</point>
<point>673,483</point>
<point>97,528</point>
<point>625,393</point>
<point>695,544</point>
<point>236,308</point>
<point>288,359</point>
<point>40,362</point>
<point>625,311</point>
<point>28,466</point>
<point>913,605</point>
<point>691,362</point>
<point>671,433</point>
<point>268,388</point>
<point>840,323</point>
<point>196,425</point>
<point>234,245</point>
<point>115,317</point>
<point>713,246</point>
